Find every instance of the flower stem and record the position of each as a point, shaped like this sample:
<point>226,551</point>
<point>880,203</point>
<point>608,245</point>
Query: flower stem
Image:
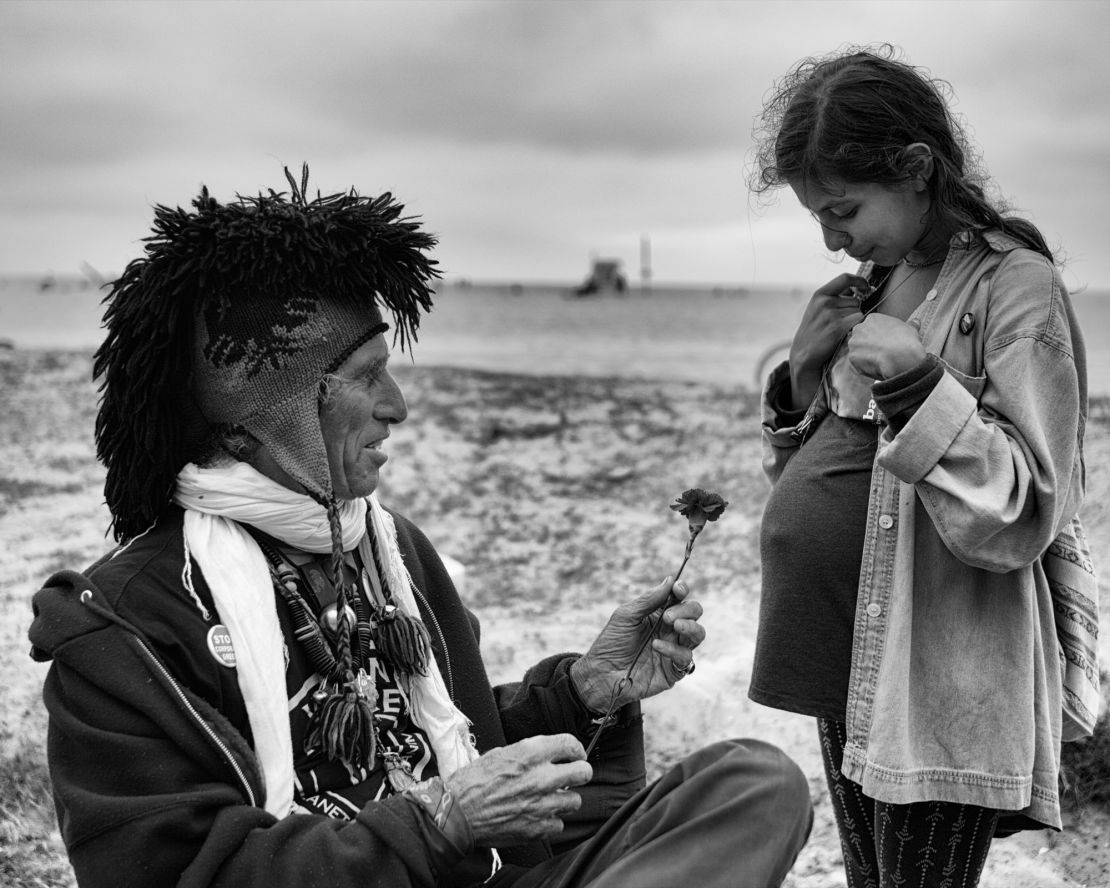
<point>627,681</point>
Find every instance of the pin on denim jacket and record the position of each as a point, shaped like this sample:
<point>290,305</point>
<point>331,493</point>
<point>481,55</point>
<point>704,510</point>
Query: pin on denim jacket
<point>955,688</point>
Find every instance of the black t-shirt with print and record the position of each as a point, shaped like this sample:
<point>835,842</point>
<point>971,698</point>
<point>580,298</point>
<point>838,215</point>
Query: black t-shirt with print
<point>328,787</point>
<point>811,546</point>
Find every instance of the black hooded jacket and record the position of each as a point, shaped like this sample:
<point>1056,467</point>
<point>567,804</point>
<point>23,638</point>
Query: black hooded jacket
<point>149,746</point>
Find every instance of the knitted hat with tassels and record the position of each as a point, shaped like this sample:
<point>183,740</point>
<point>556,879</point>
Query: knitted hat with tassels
<point>234,316</point>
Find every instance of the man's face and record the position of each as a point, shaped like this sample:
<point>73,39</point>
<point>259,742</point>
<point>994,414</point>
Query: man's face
<point>362,403</point>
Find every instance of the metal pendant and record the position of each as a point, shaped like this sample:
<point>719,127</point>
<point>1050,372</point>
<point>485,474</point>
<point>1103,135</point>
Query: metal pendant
<point>387,613</point>
<point>329,618</point>
<point>398,771</point>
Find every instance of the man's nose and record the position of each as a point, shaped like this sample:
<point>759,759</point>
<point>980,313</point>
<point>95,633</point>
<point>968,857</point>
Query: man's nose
<point>392,406</point>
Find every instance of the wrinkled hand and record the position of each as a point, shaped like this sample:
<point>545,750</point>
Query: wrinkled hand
<point>662,663</point>
<point>516,793</point>
<point>831,312</point>
<point>882,346</point>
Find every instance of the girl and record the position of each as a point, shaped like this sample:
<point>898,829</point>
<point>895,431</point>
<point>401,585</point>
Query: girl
<point>924,440</point>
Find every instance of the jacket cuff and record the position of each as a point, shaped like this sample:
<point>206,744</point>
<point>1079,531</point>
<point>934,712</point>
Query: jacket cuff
<point>566,705</point>
<point>447,835</point>
<point>778,411</point>
<point>901,395</point>
<point>444,822</point>
<point>929,433</point>
<point>546,702</point>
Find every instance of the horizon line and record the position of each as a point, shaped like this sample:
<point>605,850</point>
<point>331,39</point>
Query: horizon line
<point>465,281</point>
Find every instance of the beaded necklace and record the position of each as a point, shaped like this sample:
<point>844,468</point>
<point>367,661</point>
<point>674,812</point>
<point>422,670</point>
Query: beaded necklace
<point>344,722</point>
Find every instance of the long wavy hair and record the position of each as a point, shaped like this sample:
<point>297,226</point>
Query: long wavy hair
<point>849,116</point>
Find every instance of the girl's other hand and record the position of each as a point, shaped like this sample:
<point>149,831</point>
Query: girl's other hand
<point>882,346</point>
<point>832,311</point>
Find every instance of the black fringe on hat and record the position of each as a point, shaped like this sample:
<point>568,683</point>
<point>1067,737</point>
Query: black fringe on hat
<point>340,246</point>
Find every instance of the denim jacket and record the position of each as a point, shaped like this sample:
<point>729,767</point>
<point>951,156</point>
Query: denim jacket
<point>955,687</point>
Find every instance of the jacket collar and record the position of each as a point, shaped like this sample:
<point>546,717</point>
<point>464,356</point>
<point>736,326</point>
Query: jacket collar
<point>994,238</point>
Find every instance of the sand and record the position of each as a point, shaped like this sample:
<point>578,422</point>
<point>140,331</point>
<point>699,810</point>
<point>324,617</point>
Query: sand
<point>553,492</point>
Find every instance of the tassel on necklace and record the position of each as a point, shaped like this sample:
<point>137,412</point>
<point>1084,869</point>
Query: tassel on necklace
<point>402,641</point>
<point>343,724</point>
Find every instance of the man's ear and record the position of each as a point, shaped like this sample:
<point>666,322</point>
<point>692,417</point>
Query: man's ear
<point>918,164</point>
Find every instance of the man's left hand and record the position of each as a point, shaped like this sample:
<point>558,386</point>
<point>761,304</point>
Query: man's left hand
<point>664,661</point>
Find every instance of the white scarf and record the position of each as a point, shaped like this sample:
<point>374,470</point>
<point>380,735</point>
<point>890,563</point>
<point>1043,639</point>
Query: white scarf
<point>216,501</point>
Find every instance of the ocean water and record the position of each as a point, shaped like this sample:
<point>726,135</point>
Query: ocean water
<point>722,335</point>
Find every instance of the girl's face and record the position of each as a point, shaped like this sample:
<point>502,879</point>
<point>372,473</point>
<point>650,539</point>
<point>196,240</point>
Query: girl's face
<point>869,221</point>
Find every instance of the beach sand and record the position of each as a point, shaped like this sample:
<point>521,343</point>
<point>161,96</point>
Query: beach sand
<point>553,491</point>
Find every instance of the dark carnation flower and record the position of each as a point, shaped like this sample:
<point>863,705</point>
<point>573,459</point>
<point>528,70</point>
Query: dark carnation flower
<point>699,506</point>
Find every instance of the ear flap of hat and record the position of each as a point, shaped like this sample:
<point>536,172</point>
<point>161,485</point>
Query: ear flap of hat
<point>292,435</point>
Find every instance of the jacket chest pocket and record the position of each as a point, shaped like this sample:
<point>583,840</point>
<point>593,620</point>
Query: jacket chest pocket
<point>960,348</point>
<point>974,383</point>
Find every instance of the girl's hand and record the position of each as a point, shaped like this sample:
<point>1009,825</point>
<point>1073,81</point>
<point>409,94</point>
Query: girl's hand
<point>832,311</point>
<point>881,346</point>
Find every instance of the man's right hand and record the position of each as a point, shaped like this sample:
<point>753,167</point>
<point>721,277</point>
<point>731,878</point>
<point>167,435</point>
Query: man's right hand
<point>832,311</point>
<point>518,793</point>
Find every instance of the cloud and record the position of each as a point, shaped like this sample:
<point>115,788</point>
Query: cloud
<point>567,77</point>
<point>546,75</point>
<point>529,135</point>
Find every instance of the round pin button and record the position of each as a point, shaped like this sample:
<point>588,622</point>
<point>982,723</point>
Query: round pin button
<point>220,646</point>
<point>873,610</point>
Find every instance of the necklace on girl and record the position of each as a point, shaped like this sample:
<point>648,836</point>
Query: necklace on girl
<point>914,267</point>
<point>888,293</point>
<point>936,259</point>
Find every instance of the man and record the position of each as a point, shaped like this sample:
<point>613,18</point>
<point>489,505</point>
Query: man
<point>272,681</point>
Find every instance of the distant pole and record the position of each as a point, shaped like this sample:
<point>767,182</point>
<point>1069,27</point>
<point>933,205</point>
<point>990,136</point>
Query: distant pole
<point>645,263</point>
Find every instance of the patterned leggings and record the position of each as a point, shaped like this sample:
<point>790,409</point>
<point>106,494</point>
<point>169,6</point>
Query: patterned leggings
<point>919,845</point>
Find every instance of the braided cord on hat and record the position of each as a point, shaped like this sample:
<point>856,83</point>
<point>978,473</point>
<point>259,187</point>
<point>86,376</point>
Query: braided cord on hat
<point>344,725</point>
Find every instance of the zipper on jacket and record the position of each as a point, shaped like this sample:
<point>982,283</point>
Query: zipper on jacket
<point>442,640</point>
<point>200,721</point>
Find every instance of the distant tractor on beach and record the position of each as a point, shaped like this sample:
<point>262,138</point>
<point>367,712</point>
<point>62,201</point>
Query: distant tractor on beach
<point>605,277</point>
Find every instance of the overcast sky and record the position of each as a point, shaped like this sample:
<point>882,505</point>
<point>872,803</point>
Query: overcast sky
<point>531,136</point>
